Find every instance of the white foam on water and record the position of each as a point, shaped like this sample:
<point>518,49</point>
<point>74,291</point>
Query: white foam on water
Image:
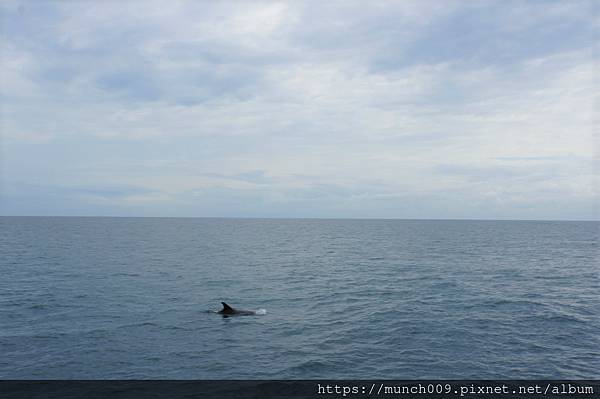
<point>261,311</point>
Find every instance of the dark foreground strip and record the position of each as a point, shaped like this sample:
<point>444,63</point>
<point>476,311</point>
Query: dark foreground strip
<point>322,389</point>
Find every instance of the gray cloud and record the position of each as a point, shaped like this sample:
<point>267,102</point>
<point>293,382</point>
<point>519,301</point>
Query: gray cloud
<point>299,108</point>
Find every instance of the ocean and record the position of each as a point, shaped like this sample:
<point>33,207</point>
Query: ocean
<point>129,298</point>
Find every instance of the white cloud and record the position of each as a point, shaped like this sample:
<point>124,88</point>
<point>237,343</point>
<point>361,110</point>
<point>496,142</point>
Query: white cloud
<point>358,99</point>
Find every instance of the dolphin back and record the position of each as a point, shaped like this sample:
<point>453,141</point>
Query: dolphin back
<point>228,310</point>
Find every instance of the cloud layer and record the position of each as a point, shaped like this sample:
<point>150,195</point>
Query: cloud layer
<point>300,109</point>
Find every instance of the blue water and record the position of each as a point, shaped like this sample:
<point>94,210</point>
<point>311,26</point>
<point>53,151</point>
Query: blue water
<point>127,298</point>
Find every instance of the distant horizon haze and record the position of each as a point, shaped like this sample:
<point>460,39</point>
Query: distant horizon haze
<point>301,218</point>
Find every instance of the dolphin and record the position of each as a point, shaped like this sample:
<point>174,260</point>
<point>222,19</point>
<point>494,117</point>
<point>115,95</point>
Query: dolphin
<point>229,311</point>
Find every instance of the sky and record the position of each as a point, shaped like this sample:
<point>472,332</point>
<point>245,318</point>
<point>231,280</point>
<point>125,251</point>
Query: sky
<point>337,109</point>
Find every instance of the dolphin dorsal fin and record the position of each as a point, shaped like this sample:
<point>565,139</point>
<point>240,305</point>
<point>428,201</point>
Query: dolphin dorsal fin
<point>226,306</point>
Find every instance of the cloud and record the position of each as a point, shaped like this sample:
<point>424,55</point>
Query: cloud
<point>302,107</point>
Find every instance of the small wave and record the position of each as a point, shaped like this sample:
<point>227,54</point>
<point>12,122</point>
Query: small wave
<point>310,366</point>
<point>141,324</point>
<point>174,328</point>
<point>122,274</point>
<point>561,318</point>
<point>514,302</point>
<point>49,336</point>
<point>261,312</point>
<point>558,318</point>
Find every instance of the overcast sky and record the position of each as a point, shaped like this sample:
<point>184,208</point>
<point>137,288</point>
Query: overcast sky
<point>399,109</point>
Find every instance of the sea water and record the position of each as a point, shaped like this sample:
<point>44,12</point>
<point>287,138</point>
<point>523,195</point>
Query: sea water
<point>90,298</point>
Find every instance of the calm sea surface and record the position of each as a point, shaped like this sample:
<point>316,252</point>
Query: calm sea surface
<point>128,298</point>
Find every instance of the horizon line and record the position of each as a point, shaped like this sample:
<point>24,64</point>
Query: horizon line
<point>299,218</point>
